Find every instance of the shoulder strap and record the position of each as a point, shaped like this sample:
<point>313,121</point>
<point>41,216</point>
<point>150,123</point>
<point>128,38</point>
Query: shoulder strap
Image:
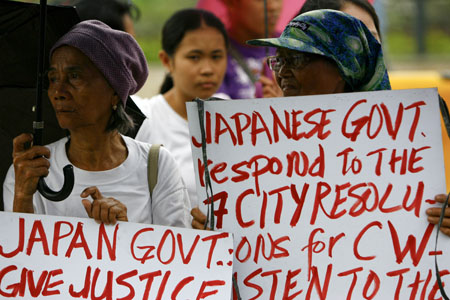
<point>152,170</point>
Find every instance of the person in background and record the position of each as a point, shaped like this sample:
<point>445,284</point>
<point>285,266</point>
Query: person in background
<point>117,14</point>
<point>93,71</point>
<point>194,53</point>
<point>246,63</point>
<point>360,9</point>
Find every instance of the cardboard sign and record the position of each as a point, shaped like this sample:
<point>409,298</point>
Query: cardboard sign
<point>47,257</point>
<point>326,195</point>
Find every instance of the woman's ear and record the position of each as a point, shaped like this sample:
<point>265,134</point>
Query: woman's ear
<point>166,60</point>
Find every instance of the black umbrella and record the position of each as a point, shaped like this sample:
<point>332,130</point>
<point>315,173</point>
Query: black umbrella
<point>22,48</point>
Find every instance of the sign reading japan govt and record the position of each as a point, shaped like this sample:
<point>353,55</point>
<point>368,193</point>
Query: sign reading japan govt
<point>51,257</point>
<point>326,195</point>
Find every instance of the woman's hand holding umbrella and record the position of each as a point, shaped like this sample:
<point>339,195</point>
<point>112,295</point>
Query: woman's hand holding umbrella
<point>29,165</point>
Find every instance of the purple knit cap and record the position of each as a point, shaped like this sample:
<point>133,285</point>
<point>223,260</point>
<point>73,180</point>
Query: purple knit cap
<point>115,53</point>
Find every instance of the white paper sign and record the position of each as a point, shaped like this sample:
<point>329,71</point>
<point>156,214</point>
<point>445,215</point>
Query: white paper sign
<point>47,257</point>
<point>326,195</point>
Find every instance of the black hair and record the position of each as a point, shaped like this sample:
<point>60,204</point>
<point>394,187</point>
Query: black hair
<point>310,5</point>
<point>120,120</point>
<point>110,12</point>
<point>176,27</point>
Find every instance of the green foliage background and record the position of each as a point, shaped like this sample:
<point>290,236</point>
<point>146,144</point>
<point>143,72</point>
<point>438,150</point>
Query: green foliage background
<point>153,15</point>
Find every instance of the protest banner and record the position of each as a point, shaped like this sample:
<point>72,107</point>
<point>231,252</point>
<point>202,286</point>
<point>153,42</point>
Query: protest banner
<point>48,257</point>
<point>326,195</point>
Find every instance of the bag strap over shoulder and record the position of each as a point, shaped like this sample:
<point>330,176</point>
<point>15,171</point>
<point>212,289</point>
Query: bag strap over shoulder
<point>152,171</point>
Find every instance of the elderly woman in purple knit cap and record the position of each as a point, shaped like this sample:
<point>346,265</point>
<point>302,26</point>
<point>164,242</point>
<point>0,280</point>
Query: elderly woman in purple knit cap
<point>93,70</point>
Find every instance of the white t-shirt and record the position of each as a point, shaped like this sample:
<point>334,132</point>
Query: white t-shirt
<point>164,126</point>
<point>127,183</point>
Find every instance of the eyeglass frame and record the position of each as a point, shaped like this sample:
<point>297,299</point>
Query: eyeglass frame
<point>306,58</point>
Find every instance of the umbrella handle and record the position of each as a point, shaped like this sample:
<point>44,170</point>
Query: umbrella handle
<point>64,192</point>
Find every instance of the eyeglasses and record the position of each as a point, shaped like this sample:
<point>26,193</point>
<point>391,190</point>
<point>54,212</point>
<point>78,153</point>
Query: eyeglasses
<point>294,62</point>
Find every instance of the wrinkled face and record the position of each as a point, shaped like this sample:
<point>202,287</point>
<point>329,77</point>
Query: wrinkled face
<point>363,16</point>
<point>80,95</point>
<point>199,63</point>
<point>248,15</point>
<point>316,76</point>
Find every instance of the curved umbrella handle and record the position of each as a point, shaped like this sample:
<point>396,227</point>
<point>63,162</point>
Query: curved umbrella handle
<point>64,192</point>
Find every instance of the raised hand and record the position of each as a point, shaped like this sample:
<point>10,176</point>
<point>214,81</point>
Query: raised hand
<point>435,212</point>
<point>101,209</point>
<point>199,219</point>
<point>270,88</point>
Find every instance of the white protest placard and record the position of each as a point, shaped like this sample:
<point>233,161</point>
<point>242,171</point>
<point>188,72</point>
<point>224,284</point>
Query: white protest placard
<point>326,195</point>
<point>48,257</point>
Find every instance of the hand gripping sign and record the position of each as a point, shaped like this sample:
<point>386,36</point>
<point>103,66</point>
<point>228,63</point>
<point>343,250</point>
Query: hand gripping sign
<point>326,195</point>
<point>47,257</point>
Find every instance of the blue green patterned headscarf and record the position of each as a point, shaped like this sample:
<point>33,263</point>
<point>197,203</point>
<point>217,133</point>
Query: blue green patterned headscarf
<point>340,37</point>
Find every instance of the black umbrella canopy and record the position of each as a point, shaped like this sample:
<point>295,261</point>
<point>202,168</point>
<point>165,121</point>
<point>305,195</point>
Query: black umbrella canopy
<point>19,39</point>
<point>19,48</point>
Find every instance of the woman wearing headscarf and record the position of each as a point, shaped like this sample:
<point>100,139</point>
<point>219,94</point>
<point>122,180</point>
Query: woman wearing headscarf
<point>93,70</point>
<point>326,40</point>
<point>327,52</point>
<point>360,9</point>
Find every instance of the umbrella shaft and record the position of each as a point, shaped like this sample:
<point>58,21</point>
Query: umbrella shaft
<point>38,125</point>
